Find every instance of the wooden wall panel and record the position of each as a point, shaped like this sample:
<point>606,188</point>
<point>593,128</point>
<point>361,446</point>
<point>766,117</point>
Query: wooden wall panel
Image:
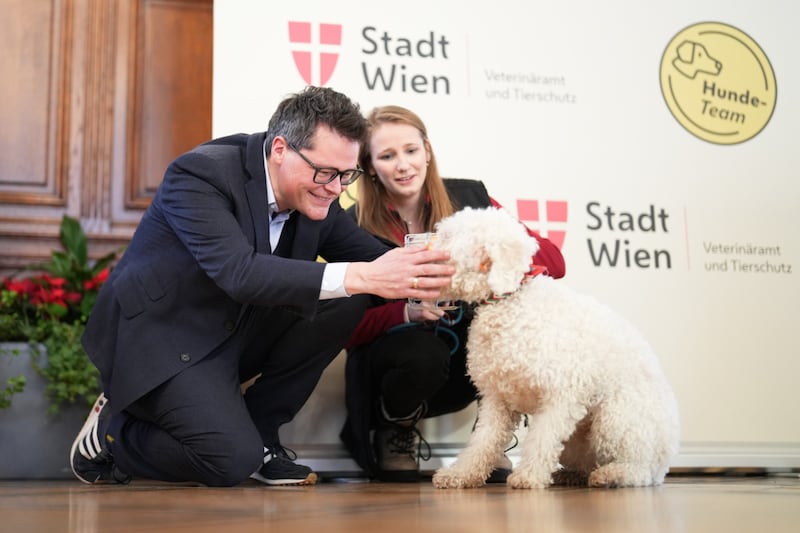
<point>93,98</point>
<point>166,123</point>
<point>98,97</point>
<point>32,105</point>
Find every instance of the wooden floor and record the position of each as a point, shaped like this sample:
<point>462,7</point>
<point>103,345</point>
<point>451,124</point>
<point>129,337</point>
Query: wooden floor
<point>730,504</point>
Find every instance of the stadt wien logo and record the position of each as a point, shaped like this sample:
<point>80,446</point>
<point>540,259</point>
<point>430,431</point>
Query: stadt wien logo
<point>552,224</point>
<point>315,50</point>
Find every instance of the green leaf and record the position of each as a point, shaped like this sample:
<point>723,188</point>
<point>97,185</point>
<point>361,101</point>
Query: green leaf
<point>106,260</point>
<point>87,303</point>
<point>54,310</point>
<point>74,240</point>
<point>60,265</point>
<point>70,375</point>
<point>14,385</point>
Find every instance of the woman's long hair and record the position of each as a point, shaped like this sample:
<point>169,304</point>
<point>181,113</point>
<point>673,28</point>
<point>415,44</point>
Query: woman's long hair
<point>374,214</point>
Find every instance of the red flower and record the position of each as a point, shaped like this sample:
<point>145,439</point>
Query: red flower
<point>58,283</point>
<point>23,286</point>
<point>73,297</point>
<point>97,280</point>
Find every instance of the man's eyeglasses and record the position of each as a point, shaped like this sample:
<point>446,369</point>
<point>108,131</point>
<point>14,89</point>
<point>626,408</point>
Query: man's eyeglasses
<point>324,175</point>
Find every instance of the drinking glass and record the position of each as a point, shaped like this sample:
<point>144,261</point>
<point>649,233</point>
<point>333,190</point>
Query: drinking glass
<point>414,239</point>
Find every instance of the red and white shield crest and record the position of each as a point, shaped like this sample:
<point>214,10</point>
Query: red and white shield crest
<point>552,224</point>
<point>315,56</point>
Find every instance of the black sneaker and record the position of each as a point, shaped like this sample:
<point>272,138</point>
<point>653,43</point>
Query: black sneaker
<point>89,457</point>
<point>280,469</point>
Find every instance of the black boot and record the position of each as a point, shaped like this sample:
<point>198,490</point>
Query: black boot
<point>397,441</point>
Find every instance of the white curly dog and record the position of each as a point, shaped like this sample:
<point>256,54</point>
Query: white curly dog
<point>600,409</point>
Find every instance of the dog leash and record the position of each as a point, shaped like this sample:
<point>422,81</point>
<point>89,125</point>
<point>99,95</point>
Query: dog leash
<point>440,328</point>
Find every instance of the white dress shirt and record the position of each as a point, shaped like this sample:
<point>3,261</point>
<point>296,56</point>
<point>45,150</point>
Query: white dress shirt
<point>333,277</point>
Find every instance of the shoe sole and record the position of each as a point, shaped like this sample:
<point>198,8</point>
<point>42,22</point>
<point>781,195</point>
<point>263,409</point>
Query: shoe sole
<point>311,479</point>
<point>91,419</point>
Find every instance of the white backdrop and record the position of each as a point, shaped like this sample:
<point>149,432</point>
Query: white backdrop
<point>580,104</point>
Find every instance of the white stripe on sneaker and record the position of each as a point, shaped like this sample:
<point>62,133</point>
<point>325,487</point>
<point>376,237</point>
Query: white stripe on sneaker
<point>88,439</point>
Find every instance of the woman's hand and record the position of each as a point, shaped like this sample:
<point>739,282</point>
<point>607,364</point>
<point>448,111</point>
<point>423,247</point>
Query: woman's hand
<point>424,312</point>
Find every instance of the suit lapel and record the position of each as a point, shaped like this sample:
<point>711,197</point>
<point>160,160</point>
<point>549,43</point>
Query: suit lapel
<point>256,191</point>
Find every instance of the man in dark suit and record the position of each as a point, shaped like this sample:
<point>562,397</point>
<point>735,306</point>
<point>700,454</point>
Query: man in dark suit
<point>220,285</point>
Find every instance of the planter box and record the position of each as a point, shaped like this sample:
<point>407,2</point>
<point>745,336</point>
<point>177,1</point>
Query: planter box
<point>33,443</point>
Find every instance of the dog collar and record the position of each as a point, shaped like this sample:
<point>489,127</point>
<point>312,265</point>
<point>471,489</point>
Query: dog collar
<point>534,271</point>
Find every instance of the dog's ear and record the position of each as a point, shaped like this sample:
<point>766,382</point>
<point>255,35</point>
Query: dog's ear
<point>503,274</point>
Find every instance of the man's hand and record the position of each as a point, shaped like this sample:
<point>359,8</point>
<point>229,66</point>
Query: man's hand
<point>413,272</point>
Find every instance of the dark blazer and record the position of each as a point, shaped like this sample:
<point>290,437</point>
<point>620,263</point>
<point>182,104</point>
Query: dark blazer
<point>199,256</point>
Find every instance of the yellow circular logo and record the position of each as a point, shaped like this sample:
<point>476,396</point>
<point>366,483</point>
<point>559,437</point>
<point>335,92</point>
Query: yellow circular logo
<point>718,83</point>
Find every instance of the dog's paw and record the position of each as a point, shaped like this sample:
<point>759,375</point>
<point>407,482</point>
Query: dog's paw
<point>614,475</point>
<point>520,480</point>
<point>448,479</point>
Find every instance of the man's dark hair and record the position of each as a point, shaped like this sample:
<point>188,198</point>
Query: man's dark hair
<point>297,117</point>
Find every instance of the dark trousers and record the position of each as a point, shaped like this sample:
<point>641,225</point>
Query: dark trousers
<point>199,427</point>
<point>414,365</point>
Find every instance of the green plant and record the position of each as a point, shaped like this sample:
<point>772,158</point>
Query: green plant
<point>49,308</point>
<point>13,385</point>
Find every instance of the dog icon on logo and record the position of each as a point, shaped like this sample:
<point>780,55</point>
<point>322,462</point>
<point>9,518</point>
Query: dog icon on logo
<point>693,58</point>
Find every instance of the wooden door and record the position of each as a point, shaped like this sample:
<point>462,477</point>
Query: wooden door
<point>98,97</point>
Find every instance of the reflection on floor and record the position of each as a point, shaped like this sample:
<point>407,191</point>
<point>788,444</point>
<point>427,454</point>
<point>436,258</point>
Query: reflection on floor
<point>685,503</point>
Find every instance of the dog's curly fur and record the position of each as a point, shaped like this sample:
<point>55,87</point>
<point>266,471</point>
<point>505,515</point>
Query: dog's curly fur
<point>601,411</point>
